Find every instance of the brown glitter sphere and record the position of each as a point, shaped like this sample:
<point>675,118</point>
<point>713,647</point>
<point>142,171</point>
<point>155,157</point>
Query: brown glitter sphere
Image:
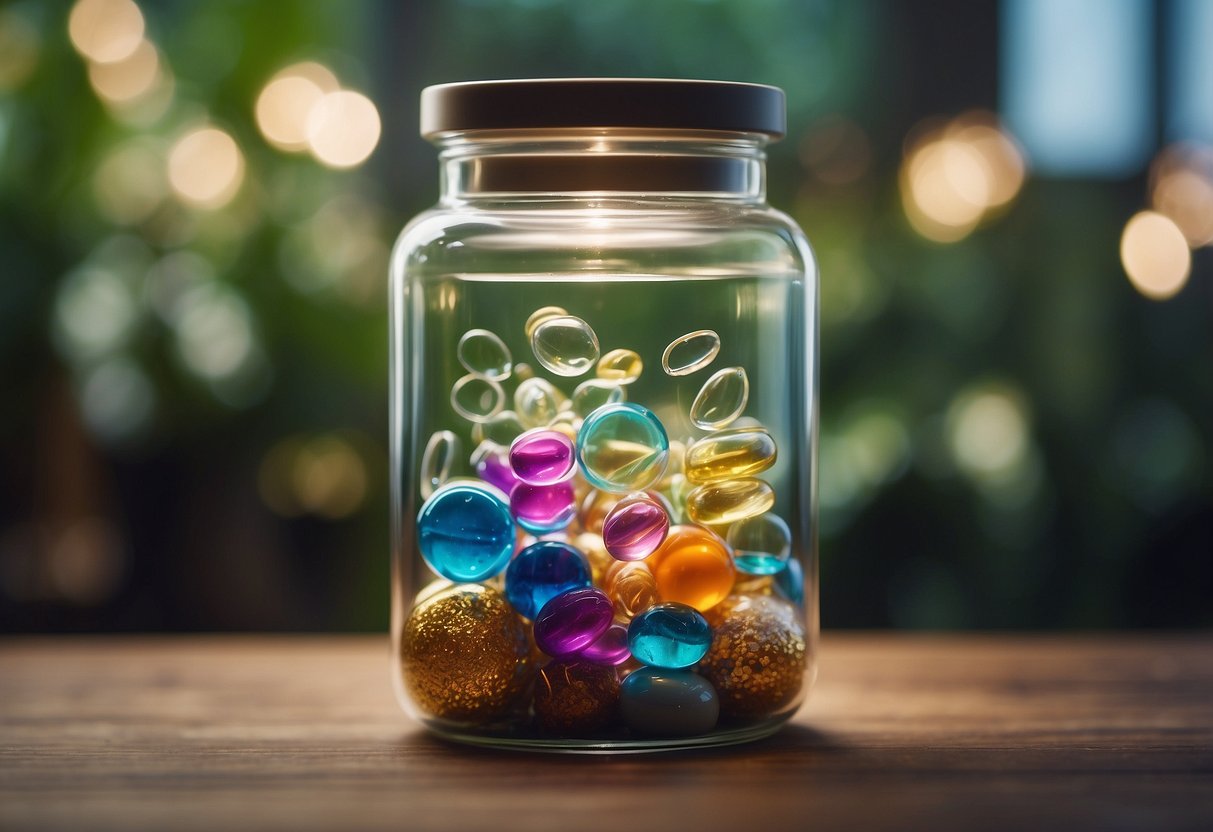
<point>465,655</point>
<point>575,698</point>
<point>758,655</point>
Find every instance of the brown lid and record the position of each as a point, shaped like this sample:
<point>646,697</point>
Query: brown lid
<point>644,103</point>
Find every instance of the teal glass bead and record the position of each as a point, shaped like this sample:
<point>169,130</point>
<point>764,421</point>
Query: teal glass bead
<point>622,447</point>
<point>465,532</point>
<point>669,635</point>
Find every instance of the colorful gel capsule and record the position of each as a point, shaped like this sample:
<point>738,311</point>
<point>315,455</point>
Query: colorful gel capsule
<point>465,532</point>
<point>572,621</point>
<point>590,545</point>
<point>761,544</point>
<point>537,402</point>
<point>540,315</point>
<point>722,398</point>
<point>594,393</point>
<point>565,345</point>
<point>493,466</point>
<point>542,571</point>
<point>690,352</point>
<point>622,447</point>
<point>543,508</point>
<point>484,354</point>
<point>477,399</point>
<point>438,460</point>
<point>500,428</point>
<point>542,456</point>
<point>620,367</point>
<point>635,527</point>
<point>729,454</point>
<point>668,703</point>
<point>611,648</point>
<point>693,567</point>
<point>669,635</point>
<point>631,588</point>
<point>721,503</point>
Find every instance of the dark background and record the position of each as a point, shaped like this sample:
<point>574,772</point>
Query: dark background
<point>193,409</point>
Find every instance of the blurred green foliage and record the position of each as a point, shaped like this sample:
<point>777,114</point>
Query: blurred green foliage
<point>1011,435</point>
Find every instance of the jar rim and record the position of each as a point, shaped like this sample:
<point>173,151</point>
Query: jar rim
<point>638,103</point>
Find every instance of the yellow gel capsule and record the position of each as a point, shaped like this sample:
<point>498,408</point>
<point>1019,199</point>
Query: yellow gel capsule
<point>540,315</point>
<point>595,393</point>
<point>692,567</point>
<point>565,345</point>
<point>620,366</point>
<point>729,454</point>
<point>631,587</point>
<point>591,545</point>
<point>721,503</point>
<point>500,429</point>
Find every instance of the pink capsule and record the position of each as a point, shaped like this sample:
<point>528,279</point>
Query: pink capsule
<point>542,456</point>
<point>635,527</point>
<point>543,508</point>
<point>495,469</point>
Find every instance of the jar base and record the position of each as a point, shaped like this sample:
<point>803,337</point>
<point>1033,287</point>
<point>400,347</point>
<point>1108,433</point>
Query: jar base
<point>622,745</point>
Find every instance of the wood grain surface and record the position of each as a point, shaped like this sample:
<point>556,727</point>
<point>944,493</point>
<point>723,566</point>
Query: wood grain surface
<point>901,732</point>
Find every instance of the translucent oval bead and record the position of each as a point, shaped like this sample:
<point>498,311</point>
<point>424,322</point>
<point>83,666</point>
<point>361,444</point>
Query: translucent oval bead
<point>540,315</point>
<point>543,508</point>
<point>635,527</point>
<point>438,460</point>
<point>595,393</point>
<point>691,352</point>
<point>500,428</point>
<point>692,567</point>
<point>721,399</point>
<point>484,354</point>
<point>611,648</point>
<point>669,635</point>
<point>761,544</point>
<point>572,621</point>
<point>465,532</point>
<point>620,366</point>
<point>493,466</point>
<point>565,345</point>
<point>729,454</point>
<point>622,447</point>
<point>631,587</point>
<point>477,399</point>
<point>542,457</point>
<point>537,402</point>
<point>721,503</point>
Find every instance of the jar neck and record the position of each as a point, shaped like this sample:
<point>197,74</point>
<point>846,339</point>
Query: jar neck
<point>597,164</point>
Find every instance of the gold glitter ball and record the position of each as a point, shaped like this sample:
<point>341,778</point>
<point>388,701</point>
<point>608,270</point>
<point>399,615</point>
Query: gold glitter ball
<point>464,655</point>
<point>758,655</point>
<point>575,698</point>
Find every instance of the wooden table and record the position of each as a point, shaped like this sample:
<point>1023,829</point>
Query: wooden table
<point>902,732</point>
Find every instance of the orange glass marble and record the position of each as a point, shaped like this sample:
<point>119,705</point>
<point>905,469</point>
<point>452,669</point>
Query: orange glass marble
<point>693,567</point>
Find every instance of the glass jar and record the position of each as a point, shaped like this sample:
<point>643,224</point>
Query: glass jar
<point>603,421</point>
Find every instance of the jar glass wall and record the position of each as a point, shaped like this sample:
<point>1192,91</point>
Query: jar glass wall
<point>603,439</point>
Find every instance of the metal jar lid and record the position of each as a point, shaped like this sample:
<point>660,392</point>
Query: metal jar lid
<point>639,103</point>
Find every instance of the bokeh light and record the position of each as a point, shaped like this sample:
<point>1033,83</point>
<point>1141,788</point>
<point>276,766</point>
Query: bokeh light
<point>105,30</point>
<point>128,79</point>
<point>214,331</point>
<point>954,175</point>
<point>988,431</point>
<point>206,168</point>
<point>324,475</point>
<point>117,399</point>
<point>130,183</point>
<point>343,129</point>
<point>1155,255</point>
<point>1182,190</point>
<point>287,101</point>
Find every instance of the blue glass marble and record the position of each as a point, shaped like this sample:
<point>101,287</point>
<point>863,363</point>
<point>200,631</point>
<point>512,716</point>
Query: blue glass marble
<point>669,635</point>
<point>622,447</point>
<point>542,571</point>
<point>790,581</point>
<point>465,532</point>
